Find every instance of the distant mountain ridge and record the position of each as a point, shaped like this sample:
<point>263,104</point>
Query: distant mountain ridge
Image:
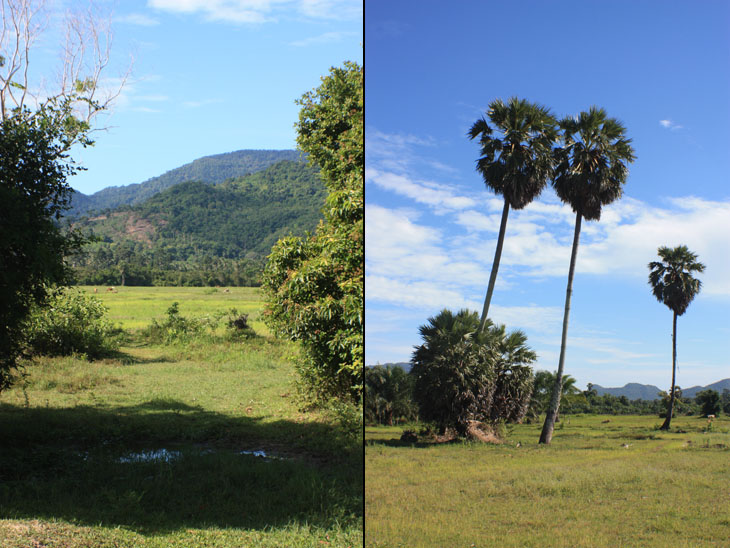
<point>209,169</point>
<point>636,391</point>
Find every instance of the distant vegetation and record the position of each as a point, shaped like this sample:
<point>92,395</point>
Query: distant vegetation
<point>210,169</point>
<point>197,234</point>
<point>390,398</point>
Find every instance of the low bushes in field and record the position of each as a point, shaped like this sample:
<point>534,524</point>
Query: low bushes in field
<point>71,323</point>
<point>176,328</point>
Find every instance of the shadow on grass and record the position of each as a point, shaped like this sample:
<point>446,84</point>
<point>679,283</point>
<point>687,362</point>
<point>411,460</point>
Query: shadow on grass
<point>74,464</point>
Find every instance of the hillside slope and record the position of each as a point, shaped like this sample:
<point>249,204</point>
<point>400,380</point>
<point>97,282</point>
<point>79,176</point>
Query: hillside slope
<point>209,169</point>
<point>195,233</point>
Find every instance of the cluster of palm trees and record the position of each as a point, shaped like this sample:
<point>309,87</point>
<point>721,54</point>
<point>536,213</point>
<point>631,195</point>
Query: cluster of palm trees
<point>585,157</point>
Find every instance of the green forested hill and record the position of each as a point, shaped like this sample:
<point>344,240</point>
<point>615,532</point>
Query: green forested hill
<point>209,169</point>
<point>195,233</point>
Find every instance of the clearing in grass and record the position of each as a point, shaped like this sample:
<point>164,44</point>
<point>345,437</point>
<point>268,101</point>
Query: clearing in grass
<point>194,443</point>
<point>604,481</point>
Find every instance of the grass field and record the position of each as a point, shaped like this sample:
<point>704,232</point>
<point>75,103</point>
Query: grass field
<point>155,446</point>
<point>587,489</point>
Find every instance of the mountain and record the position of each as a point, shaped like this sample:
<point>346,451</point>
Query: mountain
<point>209,169</point>
<point>196,233</point>
<point>635,391</point>
<point>718,387</point>
<point>632,391</point>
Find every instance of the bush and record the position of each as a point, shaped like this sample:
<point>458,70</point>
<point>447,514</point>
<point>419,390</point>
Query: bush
<point>178,328</point>
<point>389,395</point>
<point>72,322</point>
<point>464,375</point>
<point>709,401</point>
<point>238,327</point>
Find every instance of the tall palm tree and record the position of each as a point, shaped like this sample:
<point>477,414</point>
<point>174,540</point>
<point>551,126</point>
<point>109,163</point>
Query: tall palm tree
<point>516,164</point>
<point>590,171</point>
<point>672,284</point>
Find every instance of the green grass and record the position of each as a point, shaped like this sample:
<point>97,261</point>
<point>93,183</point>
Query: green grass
<point>585,489</point>
<point>69,428</point>
<point>135,307</point>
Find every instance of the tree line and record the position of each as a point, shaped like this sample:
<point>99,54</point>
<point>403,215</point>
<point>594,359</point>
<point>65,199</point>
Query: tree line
<point>390,399</point>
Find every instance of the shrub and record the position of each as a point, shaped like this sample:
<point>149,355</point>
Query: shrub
<point>389,395</point>
<point>238,327</point>
<point>463,374</point>
<point>178,328</point>
<point>72,322</point>
<point>709,401</point>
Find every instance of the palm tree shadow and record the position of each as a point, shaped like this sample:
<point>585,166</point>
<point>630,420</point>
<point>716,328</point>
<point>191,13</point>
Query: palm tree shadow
<point>165,465</point>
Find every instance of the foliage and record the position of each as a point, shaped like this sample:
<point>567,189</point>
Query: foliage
<point>177,328</point>
<point>389,395</point>
<point>71,322</point>
<point>314,285</point>
<point>238,326</point>
<point>463,374</point>
<point>671,278</point>
<point>211,169</point>
<point>199,234</point>
<point>590,170</point>
<point>709,401</point>
<point>544,382</point>
<point>672,283</point>
<point>34,167</point>
<point>515,164</point>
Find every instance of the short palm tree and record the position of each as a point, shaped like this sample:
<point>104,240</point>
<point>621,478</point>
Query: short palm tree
<point>463,374</point>
<point>590,171</point>
<point>672,283</point>
<point>516,164</point>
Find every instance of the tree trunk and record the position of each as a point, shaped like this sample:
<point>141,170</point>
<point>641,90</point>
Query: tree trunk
<point>668,420</point>
<point>495,265</point>
<point>547,429</point>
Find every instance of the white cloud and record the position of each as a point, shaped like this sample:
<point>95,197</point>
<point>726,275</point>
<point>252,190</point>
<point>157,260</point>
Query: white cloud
<point>439,196</point>
<point>326,38</point>
<point>261,11</point>
<point>669,124</point>
<point>137,19</point>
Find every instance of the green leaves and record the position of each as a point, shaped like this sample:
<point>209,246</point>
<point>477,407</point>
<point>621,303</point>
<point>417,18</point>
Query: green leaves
<point>671,278</point>
<point>314,285</point>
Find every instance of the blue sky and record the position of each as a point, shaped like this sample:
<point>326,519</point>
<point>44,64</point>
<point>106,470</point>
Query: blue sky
<point>661,67</point>
<point>209,76</point>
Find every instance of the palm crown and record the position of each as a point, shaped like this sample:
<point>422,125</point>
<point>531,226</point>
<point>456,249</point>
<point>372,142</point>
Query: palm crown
<point>671,279</point>
<point>518,164</point>
<point>591,167</point>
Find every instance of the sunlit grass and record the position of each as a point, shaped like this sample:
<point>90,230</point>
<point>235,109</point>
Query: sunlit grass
<point>604,481</point>
<point>68,424</point>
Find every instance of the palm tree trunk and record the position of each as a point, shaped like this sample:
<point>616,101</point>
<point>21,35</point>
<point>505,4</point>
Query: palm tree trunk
<point>668,420</point>
<point>547,429</point>
<point>495,265</point>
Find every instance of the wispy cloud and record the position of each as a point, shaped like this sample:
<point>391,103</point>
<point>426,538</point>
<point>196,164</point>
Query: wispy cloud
<point>202,103</point>
<point>326,38</point>
<point>669,124</point>
<point>262,11</point>
<point>139,19</point>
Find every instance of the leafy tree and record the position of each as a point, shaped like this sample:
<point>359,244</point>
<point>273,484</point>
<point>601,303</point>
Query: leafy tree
<point>544,382</point>
<point>591,169</point>
<point>516,164</point>
<point>388,395</point>
<point>464,374</point>
<point>726,401</point>
<point>672,283</point>
<point>709,402</point>
<point>33,193</point>
<point>314,285</point>
<point>34,161</point>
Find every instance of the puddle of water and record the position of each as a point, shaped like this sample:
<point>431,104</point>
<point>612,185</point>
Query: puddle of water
<point>149,456</point>
<point>166,455</point>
